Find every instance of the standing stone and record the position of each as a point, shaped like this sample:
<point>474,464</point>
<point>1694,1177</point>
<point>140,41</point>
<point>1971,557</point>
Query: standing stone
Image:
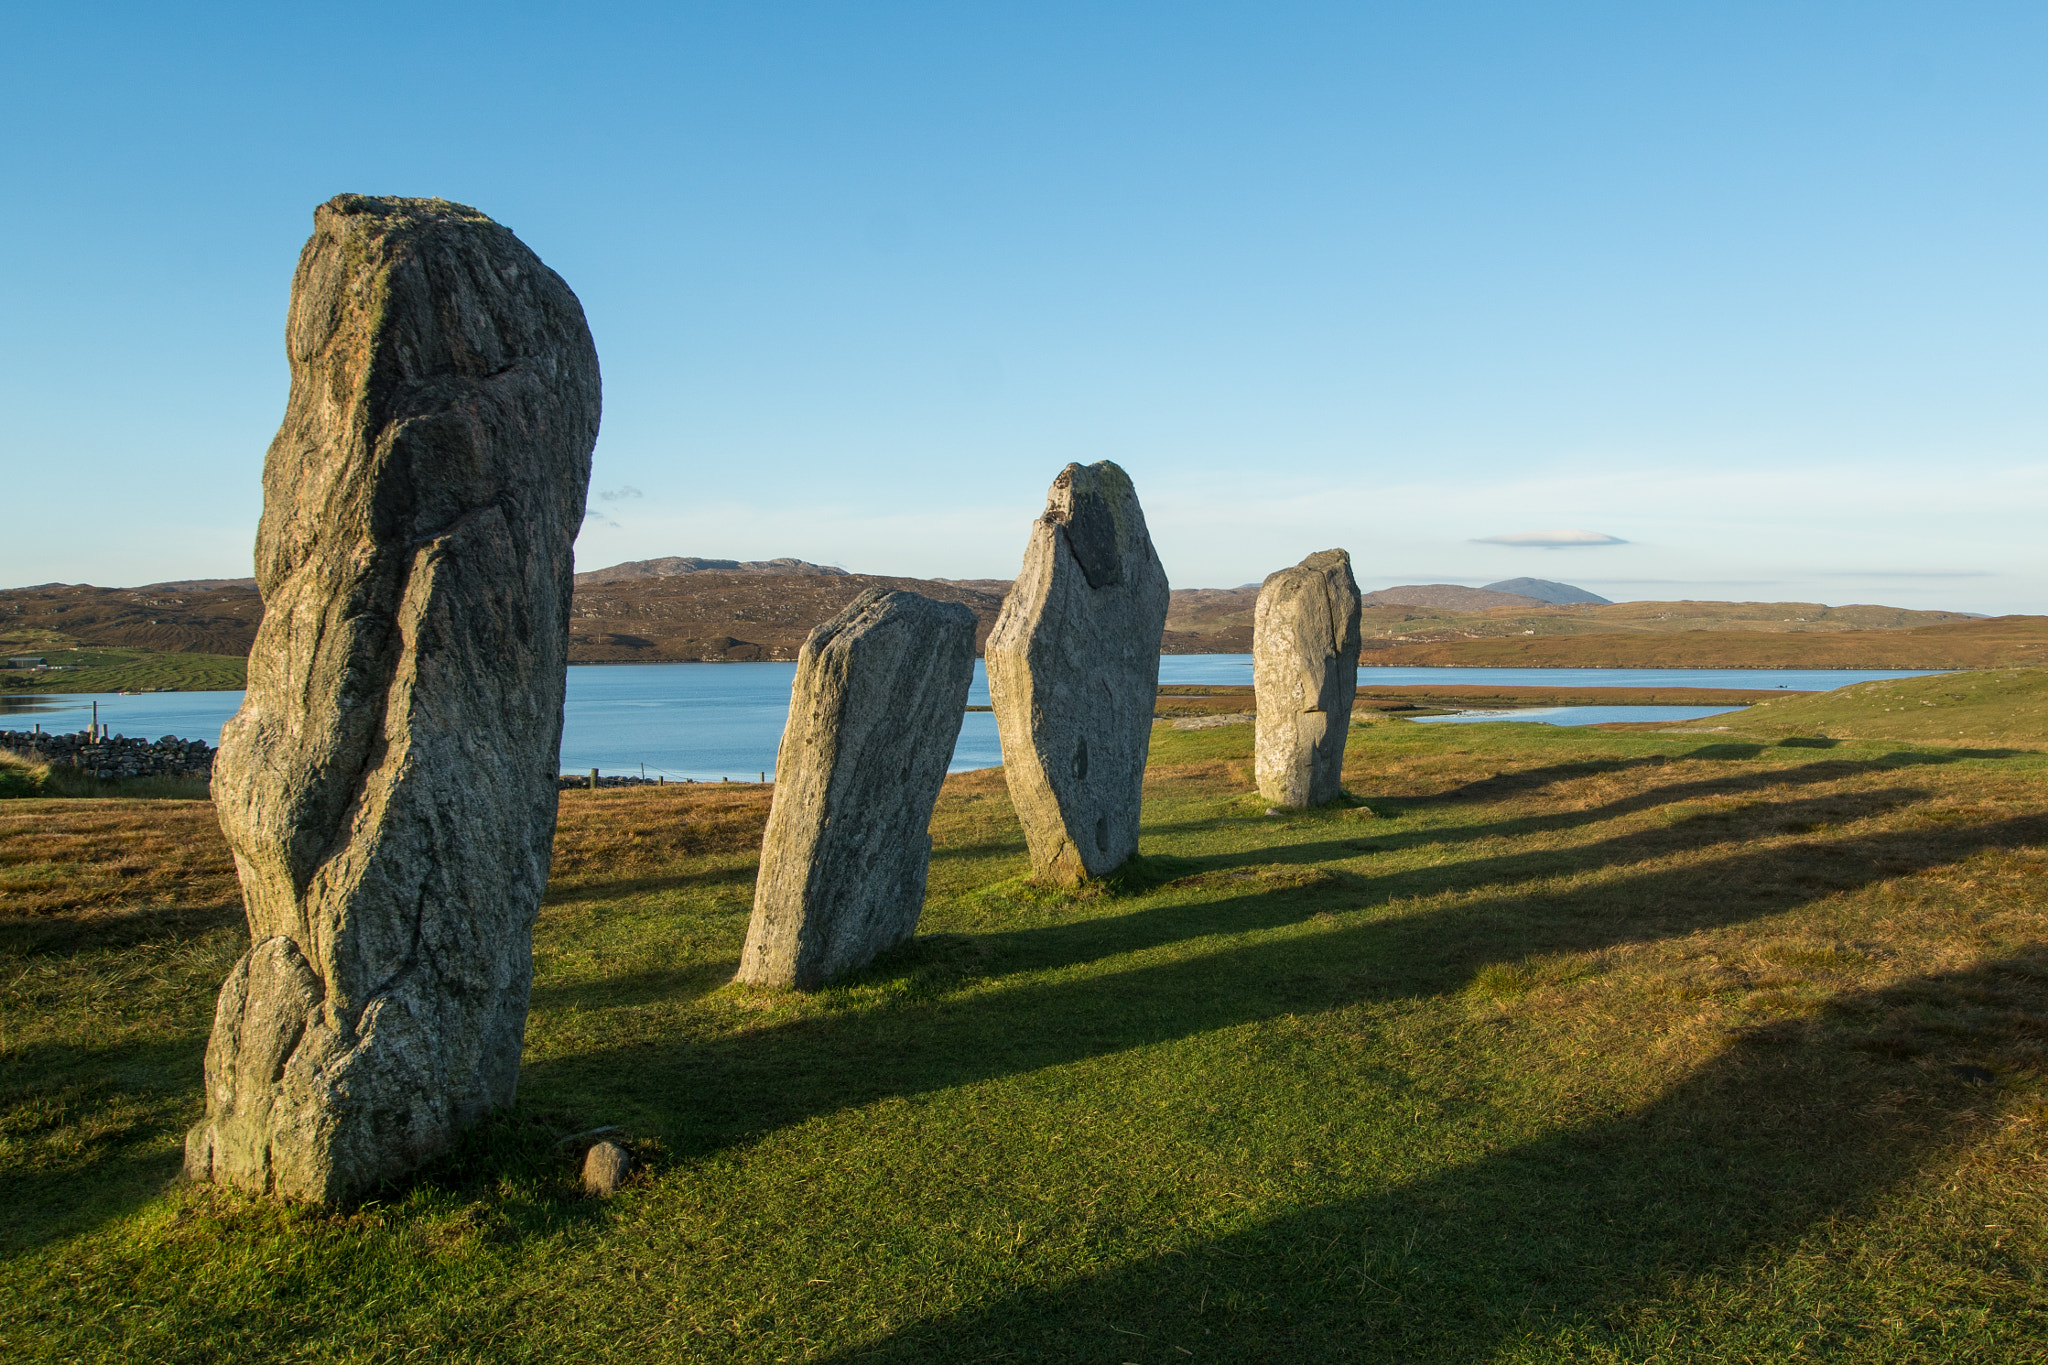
<point>873,715</point>
<point>1073,672</point>
<point>1305,678</point>
<point>388,786</point>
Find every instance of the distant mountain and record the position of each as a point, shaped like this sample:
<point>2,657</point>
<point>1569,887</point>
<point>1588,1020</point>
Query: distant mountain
<point>1448,596</point>
<point>676,565</point>
<point>1543,590</point>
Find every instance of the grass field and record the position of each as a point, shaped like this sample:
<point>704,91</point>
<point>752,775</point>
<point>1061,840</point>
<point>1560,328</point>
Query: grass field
<point>2007,706</point>
<point>1998,642</point>
<point>127,670</point>
<point>1563,1045</point>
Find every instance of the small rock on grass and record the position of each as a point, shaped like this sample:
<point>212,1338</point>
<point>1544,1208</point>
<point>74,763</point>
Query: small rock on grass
<point>604,1168</point>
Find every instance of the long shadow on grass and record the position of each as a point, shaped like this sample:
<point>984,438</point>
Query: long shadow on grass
<point>27,936</point>
<point>584,889</point>
<point>93,1128</point>
<point>1363,837</point>
<point>1837,864</point>
<point>1506,786</point>
<point>1573,1232</point>
<point>708,1094</point>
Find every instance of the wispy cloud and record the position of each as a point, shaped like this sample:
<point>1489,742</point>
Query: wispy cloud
<point>625,492</point>
<point>1550,540</point>
<point>1903,573</point>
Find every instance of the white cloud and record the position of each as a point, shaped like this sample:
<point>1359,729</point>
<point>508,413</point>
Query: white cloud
<point>1551,540</point>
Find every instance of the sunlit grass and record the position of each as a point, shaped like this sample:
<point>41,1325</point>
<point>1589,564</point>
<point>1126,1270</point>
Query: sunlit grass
<point>1555,1045</point>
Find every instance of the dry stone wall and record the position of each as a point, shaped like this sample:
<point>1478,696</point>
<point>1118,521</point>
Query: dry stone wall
<point>115,756</point>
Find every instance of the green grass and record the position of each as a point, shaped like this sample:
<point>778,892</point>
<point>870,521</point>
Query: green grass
<point>1999,706</point>
<point>1562,1045</point>
<point>127,670</point>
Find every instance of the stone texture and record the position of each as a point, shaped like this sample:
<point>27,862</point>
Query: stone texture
<point>604,1168</point>
<point>1073,671</point>
<point>873,715</point>
<point>388,786</point>
<point>1305,677</point>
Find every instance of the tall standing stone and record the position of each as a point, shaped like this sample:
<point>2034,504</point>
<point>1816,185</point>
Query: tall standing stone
<point>1305,677</point>
<point>1073,671</point>
<point>873,715</point>
<point>388,786</point>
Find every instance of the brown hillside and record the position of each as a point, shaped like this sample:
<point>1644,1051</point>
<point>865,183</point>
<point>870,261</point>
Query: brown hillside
<point>202,617</point>
<point>724,615</point>
<point>1999,641</point>
<point>1449,596</point>
<point>674,566</point>
<point>667,611</point>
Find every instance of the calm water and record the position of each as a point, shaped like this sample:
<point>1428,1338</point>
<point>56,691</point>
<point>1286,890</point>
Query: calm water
<point>708,721</point>
<point>1582,715</point>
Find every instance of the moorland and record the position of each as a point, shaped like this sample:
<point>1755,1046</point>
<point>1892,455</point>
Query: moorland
<point>1710,1042</point>
<point>196,634</point>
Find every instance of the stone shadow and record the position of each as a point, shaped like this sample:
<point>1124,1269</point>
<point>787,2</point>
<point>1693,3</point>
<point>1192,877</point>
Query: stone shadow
<point>1577,1230</point>
<point>727,1090</point>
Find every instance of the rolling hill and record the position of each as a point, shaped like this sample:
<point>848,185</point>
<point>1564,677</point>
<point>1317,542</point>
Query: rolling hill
<point>687,608</point>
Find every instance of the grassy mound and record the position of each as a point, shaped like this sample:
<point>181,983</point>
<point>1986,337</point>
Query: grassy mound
<point>1562,1045</point>
<point>1999,707</point>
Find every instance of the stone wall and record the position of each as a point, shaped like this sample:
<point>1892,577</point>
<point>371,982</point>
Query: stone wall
<point>114,757</point>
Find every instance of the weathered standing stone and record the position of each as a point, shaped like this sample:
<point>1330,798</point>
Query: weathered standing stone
<point>873,715</point>
<point>1305,678</point>
<point>388,786</point>
<point>1073,672</point>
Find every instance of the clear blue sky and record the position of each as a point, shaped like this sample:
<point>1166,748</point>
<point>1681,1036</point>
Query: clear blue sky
<point>1760,289</point>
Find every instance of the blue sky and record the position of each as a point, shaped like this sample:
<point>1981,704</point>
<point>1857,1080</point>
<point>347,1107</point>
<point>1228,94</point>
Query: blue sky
<point>1758,289</point>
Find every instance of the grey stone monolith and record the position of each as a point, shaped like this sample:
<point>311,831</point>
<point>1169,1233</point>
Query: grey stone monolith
<point>873,715</point>
<point>388,785</point>
<point>1073,673</point>
<point>1305,678</point>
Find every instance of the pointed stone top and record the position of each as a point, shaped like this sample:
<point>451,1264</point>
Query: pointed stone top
<point>1095,509</point>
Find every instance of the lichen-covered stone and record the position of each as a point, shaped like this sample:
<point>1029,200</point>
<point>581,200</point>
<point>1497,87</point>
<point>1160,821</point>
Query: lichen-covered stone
<point>1305,678</point>
<point>388,786</point>
<point>1073,673</point>
<point>874,713</point>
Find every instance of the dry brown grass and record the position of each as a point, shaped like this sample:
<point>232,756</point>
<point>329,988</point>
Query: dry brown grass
<point>642,831</point>
<point>99,858</point>
<point>112,857</point>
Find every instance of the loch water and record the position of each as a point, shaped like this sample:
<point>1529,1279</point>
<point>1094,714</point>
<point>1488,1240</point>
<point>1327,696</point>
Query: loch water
<point>705,722</point>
